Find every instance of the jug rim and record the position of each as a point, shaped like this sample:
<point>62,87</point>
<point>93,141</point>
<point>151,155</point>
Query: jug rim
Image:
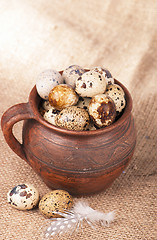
<point>34,100</point>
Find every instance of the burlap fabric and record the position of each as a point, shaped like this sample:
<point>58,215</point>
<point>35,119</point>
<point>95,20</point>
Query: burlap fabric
<point>119,35</point>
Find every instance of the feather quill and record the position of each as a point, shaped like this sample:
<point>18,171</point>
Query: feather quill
<point>72,220</point>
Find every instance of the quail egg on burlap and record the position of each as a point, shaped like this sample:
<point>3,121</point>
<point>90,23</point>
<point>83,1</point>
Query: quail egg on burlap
<point>73,118</point>
<point>83,102</point>
<point>118,96</point>
<point>90,84</point>
<point>102,110</point>
<point>106,73</point>
<point>23,197</point>
<point>71,73</point>
<point>46,81</point>
<point>62,96</point>
<point>50,115</point>
<point>55,201</point>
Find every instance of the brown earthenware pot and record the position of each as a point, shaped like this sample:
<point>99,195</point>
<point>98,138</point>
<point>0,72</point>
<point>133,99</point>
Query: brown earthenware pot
<point>82,162</point>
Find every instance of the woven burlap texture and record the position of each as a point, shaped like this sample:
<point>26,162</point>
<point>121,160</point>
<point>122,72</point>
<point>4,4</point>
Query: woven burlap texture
<point>119,35</point>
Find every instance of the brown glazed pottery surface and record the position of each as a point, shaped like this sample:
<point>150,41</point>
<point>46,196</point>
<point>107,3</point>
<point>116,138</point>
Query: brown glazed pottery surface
<point>82,162</point>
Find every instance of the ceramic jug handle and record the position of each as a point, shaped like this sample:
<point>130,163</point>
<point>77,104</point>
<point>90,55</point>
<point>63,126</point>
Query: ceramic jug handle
<point>13,115</point>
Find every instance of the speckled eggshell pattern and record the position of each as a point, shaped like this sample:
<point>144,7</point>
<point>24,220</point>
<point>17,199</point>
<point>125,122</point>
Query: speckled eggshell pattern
<point>46,81</point>
<point>50,115</point>
<point>55,201</point>
<point>23,197</point>
<point>118,96</point>
<point>102,110</point>
<point>83,102</point>
<point>62,96</point>
<point>73,118</point>
<point>71,73</point>
<point>106,73</point>
<point>90,84</point>
<point>92,127</point>
<point>46,105</point>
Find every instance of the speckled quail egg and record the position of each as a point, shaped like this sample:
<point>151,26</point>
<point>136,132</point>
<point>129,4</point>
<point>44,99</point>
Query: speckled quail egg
<point>46,105</point>
<point>50,115</point>
<point>102,110</point>
<point>62,96</point>
<point>92,127</point>
<point>23,197</point>
<point>90,84</point>
<point>73,118</point>
<point>118,96</point>
<point>55,201</point>
<point>46,81</point>
<point>83,102</point>
<point>106,73</point>
<point>71,73</point>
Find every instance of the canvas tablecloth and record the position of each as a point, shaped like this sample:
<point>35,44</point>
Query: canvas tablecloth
<point>119,35</point>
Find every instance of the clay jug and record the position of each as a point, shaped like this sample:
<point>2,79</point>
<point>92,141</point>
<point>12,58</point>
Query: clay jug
<point>81,162</point>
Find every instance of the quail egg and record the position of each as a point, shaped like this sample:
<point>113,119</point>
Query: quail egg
<point>50,115</point>
<point>118,96</point>
<point>46,81</point>
<point>106,74</point>
<point>90,84</point>
<point>92,127</point>
<point>83,102</point>
<point>62,96</point>
<point>102,110</point>
<point>46,105</point>
<point>55,201</point>
<point>23,197</point>
<point>71,73</point>
<point>73,118</point>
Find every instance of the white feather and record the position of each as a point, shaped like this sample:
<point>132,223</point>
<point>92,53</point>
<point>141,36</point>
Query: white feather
<point>92,215</point>
<point>70,221</point>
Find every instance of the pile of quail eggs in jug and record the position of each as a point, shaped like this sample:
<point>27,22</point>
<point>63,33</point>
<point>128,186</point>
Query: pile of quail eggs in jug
<point>80,99</point>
